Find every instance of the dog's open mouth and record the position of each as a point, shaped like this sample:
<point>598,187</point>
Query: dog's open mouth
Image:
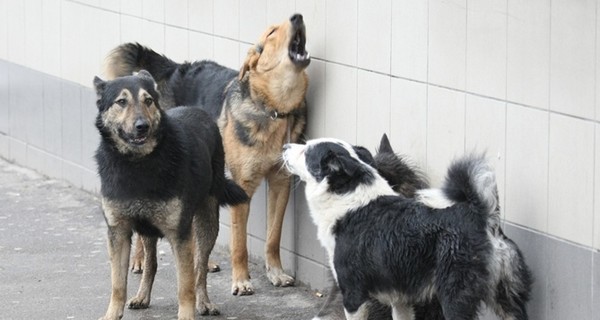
<point>133,139</point>
<point>297,50</point>
<point>138,141</point>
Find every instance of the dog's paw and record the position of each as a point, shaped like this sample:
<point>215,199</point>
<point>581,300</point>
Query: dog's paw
<point>207,309</point>
<point>137,266</point>
<point>242,288</point>
<point>138,303</point>
<point>213,267</point>
<point>279,278</point>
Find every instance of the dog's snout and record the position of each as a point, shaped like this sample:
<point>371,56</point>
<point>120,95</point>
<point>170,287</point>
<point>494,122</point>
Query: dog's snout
<point>142,125</point>
<point>297,19</point>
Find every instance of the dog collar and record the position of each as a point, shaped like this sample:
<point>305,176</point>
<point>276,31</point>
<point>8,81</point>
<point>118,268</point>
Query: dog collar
<point>274,115</point>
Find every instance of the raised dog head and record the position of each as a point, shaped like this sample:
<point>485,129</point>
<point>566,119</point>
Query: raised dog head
<point>128,113</point>
<point>280,54</point>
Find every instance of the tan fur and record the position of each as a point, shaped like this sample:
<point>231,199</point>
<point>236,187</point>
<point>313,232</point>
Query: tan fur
<point>276,84</point>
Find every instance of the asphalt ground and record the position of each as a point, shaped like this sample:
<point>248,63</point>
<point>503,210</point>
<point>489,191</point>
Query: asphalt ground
<point>54,262</point>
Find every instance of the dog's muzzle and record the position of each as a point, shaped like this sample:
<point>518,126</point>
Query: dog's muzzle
<point>297,49</point>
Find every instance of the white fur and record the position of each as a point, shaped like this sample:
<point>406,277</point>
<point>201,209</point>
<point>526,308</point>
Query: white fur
<point>327,208</point>
<point>434,198</point>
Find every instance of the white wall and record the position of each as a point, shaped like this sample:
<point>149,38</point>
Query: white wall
<point>515,78</point>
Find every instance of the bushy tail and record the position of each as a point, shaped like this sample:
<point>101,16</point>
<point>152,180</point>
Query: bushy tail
<point>130,57</point>
<point>471,179</point>
<point>233,194</point>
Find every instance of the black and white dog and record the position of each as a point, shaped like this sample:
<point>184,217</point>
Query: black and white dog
<point>445,247</point>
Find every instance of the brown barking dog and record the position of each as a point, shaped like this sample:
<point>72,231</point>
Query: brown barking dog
<point>258,109</point>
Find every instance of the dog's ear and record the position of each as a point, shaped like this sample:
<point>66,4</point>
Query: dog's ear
<point>343,163</point>
<point>384,145</point>
<point>251,60</point>
<point>99,85</point>
<point>144,75</point>
<point>364,155</point>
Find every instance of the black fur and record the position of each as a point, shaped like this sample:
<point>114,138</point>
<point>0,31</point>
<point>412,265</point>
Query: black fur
<point>188,160</point>
<point>199,83</point>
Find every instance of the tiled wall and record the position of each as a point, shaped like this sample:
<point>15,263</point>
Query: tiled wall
<point>515,78</point>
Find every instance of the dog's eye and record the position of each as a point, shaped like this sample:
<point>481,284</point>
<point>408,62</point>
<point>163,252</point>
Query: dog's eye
<point>122,102</point>
<point>272,31</point>
<point>148,101</point>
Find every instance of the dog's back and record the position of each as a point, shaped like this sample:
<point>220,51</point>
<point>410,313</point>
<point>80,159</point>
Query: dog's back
<point>199,84</point>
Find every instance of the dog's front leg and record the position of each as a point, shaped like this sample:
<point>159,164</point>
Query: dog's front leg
<point>183,251</point>
<point>142,298</point>
<point>362,313</point>
<point>279,191</point>
<point>119,247</point>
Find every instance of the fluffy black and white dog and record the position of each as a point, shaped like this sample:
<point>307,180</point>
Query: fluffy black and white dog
<point>405,252</point>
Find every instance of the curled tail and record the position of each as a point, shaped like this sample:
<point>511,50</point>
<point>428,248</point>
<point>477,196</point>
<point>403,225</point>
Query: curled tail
<point>131,57</point>
<point>471,179</point>
<point>233,194</point>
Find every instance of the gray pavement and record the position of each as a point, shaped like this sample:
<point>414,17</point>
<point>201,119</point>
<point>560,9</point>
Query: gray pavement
<point>54,263</point>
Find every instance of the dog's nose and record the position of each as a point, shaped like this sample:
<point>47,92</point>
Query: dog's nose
<point>142,125</point>
<point>296,19</point>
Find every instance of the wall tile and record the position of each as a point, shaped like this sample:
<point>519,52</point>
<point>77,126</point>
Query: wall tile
<point>528,52</point>
<point>280,10</point>
<point>572,53</point>
<point>71,127</point>
<point>4,148</point>
<point>133,7</point>
<point>4,97</point>
<point>3,30</point>
<point>340,100</point>
<point>72,173</point>
<point>257,221</point>
<point>154,10</point>
<point>201,15</point>
<point>200,46</point>
<point>53,115</point>
<point>308,245</point>
<point>32,105</point>
<point>33,34</point>
<point>253,20</point>
<point>341,31</point>
<point>16,31</point>
<point>70,38</point>
<point>534,247</point>
<point>90,138</point>
<point>597,192</point>
<point>571,184</point>
<point>16,104</point>
<point>408,121</point>
<point>315,100</point>
<point>51,18</point>
<point>485,131</point>
<point>176,44</point>
<point>131,29</point>
<point>410,25</point>
<point>176,13</point>
<point>289,240</point>
<point>314,274</point>
<point>445,130</point>
<point>374,35</point>
<point>35,158</point>
<point>527,156</point>
<point>18,150</point>
<point>112,5</point>
<point>447,43</point>
<point>227,18</point>
<point>227,53</point>
<point>373,108</point>
<point>315,14</point>
<point>153,35</point>
<point>486,48</point>
<point>569,285</point>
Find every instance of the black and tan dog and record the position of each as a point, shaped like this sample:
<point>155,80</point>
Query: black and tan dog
<point>162,174</point>
<point>258,109</point>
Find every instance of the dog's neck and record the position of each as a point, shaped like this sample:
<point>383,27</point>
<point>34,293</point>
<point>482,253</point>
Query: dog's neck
<point>283,96</point>
<point>327,208</point>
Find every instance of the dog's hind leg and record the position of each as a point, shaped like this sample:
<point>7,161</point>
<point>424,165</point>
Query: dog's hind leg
<point>137,263</point>
<point>206,229</point>
<point>279,191</point>
<point>119,248</point>
<point>240,277</point>
<point>142,298</point>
